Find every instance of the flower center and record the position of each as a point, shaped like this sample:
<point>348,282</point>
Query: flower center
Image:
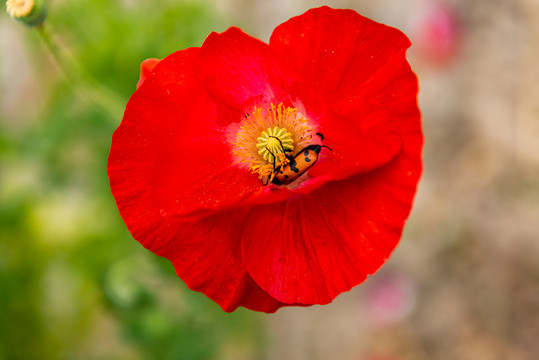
<point>273,142</point>
<point>266,139</point>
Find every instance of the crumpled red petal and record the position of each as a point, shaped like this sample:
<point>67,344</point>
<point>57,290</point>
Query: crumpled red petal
<point>346,64</point>
<point>170,145</point>
<point>209,261</point>
<point>311,248</point>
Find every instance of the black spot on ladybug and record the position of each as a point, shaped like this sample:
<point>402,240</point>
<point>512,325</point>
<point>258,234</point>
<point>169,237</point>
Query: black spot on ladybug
<point>294,166</point>
<point>286,176</point>
<point>306,153</point>
<point>307,159</point>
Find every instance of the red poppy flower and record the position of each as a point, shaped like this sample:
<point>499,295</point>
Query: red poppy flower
<point>195,166</point>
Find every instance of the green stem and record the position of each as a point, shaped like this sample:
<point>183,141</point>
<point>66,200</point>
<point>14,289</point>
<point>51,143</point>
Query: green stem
<point>54,50</point>
<point>86,87</point>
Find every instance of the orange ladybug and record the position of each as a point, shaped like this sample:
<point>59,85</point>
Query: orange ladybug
<point>298,165</point>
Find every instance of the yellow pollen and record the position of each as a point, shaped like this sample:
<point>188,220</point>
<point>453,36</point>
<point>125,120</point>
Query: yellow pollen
<point>266,139</point>
<point>19,8</point>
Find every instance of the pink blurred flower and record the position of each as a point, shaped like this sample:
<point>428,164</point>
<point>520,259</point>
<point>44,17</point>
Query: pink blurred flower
<point>436,33</point>
<point>390,299</point>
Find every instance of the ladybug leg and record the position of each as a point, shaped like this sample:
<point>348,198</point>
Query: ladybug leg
<point>327,147</point>
<point>275,168</point>
<point>274,159</point>
<point>289,157</point>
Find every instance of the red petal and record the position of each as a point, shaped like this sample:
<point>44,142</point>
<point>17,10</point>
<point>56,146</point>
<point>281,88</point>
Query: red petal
<point>369,138</point>
<point>204,253</point>
<point>350,68</point>
<point>146,69</point>
<point>313,247</point>
<point>170,145</point>
<point>206,256</point>
<point>338,52</point>
<point>236,67</point>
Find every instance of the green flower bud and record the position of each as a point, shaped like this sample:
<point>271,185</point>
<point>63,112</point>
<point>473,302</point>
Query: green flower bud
<point>29,12</point>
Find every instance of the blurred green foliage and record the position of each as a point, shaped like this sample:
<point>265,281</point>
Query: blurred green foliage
<point>74,284</point>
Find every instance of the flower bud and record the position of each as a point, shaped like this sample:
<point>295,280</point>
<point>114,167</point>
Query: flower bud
<point>29,12</point>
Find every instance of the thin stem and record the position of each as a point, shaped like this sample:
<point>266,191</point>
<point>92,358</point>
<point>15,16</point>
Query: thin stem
<point>53,48</point>
<point>85,86</point>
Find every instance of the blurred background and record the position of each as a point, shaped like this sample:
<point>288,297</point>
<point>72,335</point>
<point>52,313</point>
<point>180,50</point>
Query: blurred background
<point>463,283</point>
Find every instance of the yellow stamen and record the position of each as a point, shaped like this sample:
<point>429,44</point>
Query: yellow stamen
<point>266,139</point>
